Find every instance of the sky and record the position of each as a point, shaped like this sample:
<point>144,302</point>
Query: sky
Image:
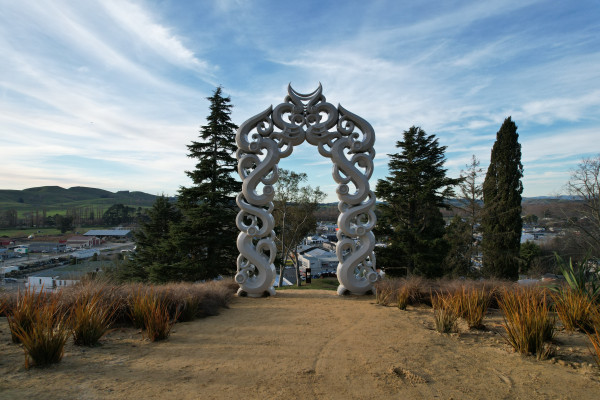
<point>108,94</point>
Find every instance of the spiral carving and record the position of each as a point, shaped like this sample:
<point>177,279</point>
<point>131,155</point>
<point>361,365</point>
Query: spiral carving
<point>305,117</point>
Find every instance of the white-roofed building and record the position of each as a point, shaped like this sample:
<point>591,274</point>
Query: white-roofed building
<point>113,233</point>
<point>319,261</point>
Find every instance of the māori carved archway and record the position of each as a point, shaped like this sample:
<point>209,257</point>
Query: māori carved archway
<point>270,136</point>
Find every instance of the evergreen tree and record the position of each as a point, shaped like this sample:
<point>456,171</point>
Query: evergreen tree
<point>205,239</point>
<point>528,252</point>
<point>153,253</point>
<point>460,238</point>
<point>413,195</point>
<point>501,218</point>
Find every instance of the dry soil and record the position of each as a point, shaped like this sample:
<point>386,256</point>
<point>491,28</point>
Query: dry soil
<point>305,344</point>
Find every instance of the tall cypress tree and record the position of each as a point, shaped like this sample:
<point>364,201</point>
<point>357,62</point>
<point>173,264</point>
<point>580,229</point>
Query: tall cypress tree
<point>205,240</point>
<point>413,195</point>
<point>501,219</point>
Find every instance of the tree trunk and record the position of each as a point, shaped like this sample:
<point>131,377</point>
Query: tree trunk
<point>298,280</point>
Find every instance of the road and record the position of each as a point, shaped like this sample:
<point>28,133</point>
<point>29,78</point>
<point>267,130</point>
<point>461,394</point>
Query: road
<point>106,249</point>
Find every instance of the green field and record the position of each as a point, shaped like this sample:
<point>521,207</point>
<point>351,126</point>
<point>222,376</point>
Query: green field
<point>76,271</point>
<point>41,232</point>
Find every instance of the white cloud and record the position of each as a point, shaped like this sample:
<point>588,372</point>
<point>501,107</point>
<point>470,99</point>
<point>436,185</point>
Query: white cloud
<point>160,39</point>
<point>124,83</point>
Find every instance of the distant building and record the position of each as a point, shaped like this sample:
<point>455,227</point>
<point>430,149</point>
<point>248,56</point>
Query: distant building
<point>331,246</point>
<point>46,247</point>
<point>49,283</point>
<point>83,241</point>
<point>314,240</point>
<point>319,261</point>
<point>324,229</point>
<point>86,253</point>
<point>109,233</point>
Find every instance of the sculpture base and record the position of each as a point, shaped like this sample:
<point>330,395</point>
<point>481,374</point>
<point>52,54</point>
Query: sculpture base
<point>342,291</point>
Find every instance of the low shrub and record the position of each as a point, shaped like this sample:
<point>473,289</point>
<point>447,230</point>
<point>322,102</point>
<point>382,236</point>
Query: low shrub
<point>528,320</point>
<point>573,308</point>
<point>189,309</point>
<point>580,277</point>
<point>44,340</point>
<point>445,312</point>
<point>91,318</point>
<point>22,313</point>
<point>472,303</point>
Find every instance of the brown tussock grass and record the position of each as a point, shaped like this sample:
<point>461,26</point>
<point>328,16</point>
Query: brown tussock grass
<point>90,317</point>
<point>593,333</point>
<point>574,309</point>
<point>472,304</point>
<point>44,339</point>
<point>445,312</point>
<point>22,311</point>
<point>528,320</point>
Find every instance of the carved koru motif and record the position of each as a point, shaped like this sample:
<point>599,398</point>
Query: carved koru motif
<point>270,136</point>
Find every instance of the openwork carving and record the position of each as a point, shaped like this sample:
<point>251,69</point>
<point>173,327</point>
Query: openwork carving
<point>270,136</point>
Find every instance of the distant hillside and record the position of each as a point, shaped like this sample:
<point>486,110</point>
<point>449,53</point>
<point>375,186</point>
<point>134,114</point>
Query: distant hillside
<point>53,197</point>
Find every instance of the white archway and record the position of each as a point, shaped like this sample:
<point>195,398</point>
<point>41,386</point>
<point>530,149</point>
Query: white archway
<point>260,147</point>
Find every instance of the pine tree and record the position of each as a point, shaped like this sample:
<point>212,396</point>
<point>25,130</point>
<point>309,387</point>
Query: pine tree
<point>205,239</point>
<point>152,255</point>
<point>501,218</point>
<point>413,195</point>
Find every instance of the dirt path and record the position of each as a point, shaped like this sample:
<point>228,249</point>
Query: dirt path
<point>301,345</point>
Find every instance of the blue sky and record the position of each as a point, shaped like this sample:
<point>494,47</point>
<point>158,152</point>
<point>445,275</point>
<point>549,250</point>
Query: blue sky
<point>108,93</point>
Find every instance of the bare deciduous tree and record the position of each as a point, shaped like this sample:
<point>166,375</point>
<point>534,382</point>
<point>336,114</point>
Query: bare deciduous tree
<point>294,214</point>
<point>585,185</point>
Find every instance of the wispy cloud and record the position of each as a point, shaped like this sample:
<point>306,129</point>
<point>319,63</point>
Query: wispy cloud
<point>121,85</point>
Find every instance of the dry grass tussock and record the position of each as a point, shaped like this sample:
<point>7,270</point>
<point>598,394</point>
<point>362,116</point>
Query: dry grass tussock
<point>593,334</point>
<point>528,320</point>
<point>401,292</point>
<point>46,331</point>
<point>419,290</point>
<point>574,309</point>
<point>450,299</point>
<point>86,311</point>
<point>445,312</point>
<point>91,317</point>
<point>150,309</point>
<point>472,303</point>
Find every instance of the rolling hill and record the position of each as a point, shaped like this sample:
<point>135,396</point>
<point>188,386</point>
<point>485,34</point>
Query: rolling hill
<point>56,197</point>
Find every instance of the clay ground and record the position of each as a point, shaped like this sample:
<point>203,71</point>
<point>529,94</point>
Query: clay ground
<point>305,344</point>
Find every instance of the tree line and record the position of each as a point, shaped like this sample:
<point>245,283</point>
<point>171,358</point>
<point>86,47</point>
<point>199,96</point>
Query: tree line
<point>418,241</point>
<point>194,237</point>
<point>117,214</point>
